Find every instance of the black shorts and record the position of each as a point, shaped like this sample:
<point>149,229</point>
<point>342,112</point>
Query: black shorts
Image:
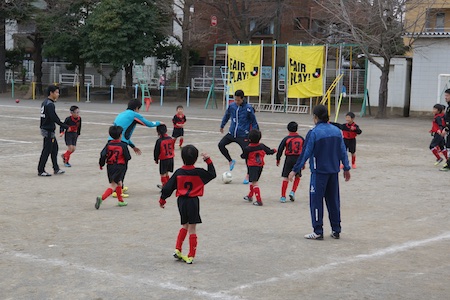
<point>116,173</point>
<point>254,173</point>
<point>289,164</point>
<point>350,144</point>
<point>165,165</point>
<point>437,140</point>
<point>71,138</point>
<point>189,209</point>
<point>177,132</point>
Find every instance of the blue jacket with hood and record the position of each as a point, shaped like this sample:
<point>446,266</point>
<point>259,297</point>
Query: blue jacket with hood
<point>242,118</point>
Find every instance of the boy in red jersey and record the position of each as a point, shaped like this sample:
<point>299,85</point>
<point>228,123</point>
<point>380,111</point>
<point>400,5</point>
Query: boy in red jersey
<point>254,156</point>
<point>178,125</point>
<point>349,132</point>
<point>189,182</point>
<point>71,134</point>
<point>437,145</point>
<point>164,154</point>
<point>116,155</point>
<point>294,145</point>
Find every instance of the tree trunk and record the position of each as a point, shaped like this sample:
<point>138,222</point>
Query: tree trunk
<point>186,44</point>
<point>129,80</point>
<point>383,91</point>
<point>2,56</point>
<point>82,70</point>
<point>37,58</point>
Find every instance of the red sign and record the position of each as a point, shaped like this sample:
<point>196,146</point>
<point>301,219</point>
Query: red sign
<point>213,21</point>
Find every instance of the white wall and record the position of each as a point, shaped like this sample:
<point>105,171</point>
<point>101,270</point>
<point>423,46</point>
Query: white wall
<point>431,58</point>
<point>398,81</point>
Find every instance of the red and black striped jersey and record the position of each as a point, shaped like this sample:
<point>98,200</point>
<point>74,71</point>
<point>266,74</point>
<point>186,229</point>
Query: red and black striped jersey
<point>178,119</point>
<point>164,148</point>
<point>349,130</point>
<point>293,144</point>
<point>254,154</point>
<point>73,123</point>
<point>115,153</point>
<point>438,123</point>
<point>189,181</point>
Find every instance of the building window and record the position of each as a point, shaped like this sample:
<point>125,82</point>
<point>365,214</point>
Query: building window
<point>264,29</point>
<point>440,22</point>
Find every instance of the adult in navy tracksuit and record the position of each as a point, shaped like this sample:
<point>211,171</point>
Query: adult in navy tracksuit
<point>243,119</point>
<point>325,149</point>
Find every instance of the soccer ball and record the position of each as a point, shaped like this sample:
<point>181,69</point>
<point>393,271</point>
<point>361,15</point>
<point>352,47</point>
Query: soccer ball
<point>227,177</point>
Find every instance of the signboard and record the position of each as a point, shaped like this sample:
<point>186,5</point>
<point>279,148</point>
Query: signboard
<point>213,21</point>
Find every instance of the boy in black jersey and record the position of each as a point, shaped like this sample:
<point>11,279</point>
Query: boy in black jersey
<point>294,146</point>
<point>254,156</point>
<point>164,153</point>
<point>189,182</point>
<point>71,134</point>
<point>116,155</point>
<point>178,125</point>
<point>437,145</point>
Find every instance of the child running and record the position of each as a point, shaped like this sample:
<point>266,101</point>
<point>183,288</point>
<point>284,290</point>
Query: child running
<point>164,154</point>
<point>437,145</point>
<point>116,155</point>
<point>294,145</point>
<point>189,182</point>
<point>349,131</point>
<point>178,125</point>
<point>71,134</point>
<point>254,156</point>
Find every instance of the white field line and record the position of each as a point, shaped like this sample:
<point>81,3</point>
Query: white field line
<point>15,141</point>
<point>295,275</point>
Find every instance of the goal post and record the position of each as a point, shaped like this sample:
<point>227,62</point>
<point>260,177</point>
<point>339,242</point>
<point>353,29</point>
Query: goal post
<point>443,84</point>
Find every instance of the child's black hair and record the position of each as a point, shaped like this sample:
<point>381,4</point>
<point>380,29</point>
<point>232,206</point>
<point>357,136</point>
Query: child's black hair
<point>350,114</point>
<point>134,103</point>
<point>73,108</point>
<point>161,129</point>
<point>115,132</point>
<point>439,107</point>
<point>292,126</point>
<point>447,91</point>
<point>321,112</point>
<point>254,136</point>
<point>179,106</point>
<point>189,155</point>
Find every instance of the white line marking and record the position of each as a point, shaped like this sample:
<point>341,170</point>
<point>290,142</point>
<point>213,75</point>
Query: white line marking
<point>15,141</point>
<point>224,294</point>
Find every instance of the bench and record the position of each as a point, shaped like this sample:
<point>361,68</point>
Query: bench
<point>72,79</point>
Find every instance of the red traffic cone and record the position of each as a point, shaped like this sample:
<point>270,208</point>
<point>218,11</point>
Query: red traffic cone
<point>147,100</point>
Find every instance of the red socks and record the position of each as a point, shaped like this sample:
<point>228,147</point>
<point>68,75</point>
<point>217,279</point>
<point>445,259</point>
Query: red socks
<point>257,193</point>
<point>119,193</point>
<point>284,186</point>
<point>107,193</point>
<point>192,245</point>
<point>180,239</point>
<point>67,156</point>
<point>250,194</point>
<point>295,184</point>
<point>445,153</point>
<point>164,179</point>
<point>435,151</point>
<point>181,141</point>
<point>353,159</point>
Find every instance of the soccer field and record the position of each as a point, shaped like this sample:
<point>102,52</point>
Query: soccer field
<point>54,244</point>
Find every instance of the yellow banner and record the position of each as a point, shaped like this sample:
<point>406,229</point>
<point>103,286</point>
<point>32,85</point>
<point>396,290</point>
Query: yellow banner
<point>244,69</point>
<point>304,72</point>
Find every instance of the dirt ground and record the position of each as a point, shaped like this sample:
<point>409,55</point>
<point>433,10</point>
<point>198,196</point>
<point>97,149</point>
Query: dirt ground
<point>54,244</point>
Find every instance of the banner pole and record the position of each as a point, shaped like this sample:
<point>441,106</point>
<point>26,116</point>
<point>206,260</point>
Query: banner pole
<point>286,78</point>
<point>260,74</point>
<point>274,65</point>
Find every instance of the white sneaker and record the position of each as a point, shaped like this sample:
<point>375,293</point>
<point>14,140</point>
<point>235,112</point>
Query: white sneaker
<point>314,236</point>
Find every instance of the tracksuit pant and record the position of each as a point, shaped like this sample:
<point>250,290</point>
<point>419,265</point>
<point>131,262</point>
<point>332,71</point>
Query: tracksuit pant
<point>325,186</point>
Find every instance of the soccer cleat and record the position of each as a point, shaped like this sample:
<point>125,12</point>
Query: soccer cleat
<point>248,199</point>
<point>438,161</point>
<point>353,166</point>
<point>283,199</point>
<point>122,203</point>
<point>63,158</point>
<point>445,168</point>
<point>44,174</point>
<point>232,163</point>
<point>59,172</point>
<point>67,165</point>
<point>335,235</point>
<point>124,189</point>
<point>114,194</point>
<point>159,186</point>
<point>257,203</point>
<point>178,255</point>
<point>314,236</point>
<point>245,181</point>
<point>292,196</point>
<point>188,260</point>
<point>98,202</point>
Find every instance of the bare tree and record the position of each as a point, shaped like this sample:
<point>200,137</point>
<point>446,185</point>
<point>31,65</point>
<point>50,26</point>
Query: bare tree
<point>377,27</point>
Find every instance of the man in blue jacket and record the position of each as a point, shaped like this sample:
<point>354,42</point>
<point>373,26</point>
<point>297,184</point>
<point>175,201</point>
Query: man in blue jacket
<point>243,119</point>
<point>325,149</point>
